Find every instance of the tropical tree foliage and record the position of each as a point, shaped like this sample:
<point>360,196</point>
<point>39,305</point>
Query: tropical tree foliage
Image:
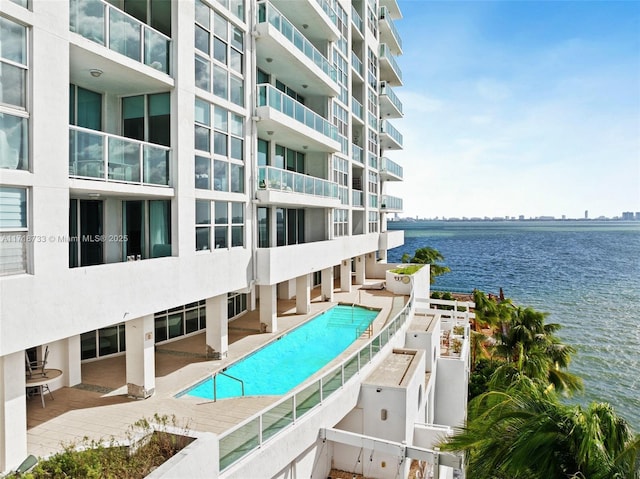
<point>524,432</point>
<point>530,347</point>
<point>430,256</point>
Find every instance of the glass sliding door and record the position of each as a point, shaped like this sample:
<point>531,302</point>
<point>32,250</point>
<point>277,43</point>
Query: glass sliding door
<point>160,228</point>
<point>91,231</point>
<point>133,215</point>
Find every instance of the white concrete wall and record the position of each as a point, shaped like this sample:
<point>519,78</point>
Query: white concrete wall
<point>285,262</point>
<point>451,391</point>
<point>195,461</point>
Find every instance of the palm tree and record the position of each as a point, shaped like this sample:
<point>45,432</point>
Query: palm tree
<point>524,432</point>
<point>430,256</point>
<point>530,347</point>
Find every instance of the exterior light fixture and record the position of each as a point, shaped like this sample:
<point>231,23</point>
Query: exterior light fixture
<point>269,60</point>
<point>270,133</point>
<point>95,72</point>
<point>305,86</point>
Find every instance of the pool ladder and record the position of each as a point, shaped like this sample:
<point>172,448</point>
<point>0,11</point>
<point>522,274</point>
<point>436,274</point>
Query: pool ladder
<point>230,377</point>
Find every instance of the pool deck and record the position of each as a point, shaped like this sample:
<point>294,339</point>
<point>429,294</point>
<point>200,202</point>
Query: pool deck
<point>99,409</point>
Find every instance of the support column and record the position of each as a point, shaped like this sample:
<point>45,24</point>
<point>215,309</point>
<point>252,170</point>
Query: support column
<point>73,369</point>
<point>287,289</point>
<point>303,294</point>
<point>360,269</point>
<point>370,261</point>
<point>13,411</point>
<point>140,357</point>
<point>382,255</point>
<point>268,308</point>
<point>345,275</point>
<point>217,332</point>
<point>326,287</point>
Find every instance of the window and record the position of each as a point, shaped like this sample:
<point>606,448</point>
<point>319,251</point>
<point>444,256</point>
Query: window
<point>86,225</point>
<point>13,230</point>
<point>219,64</point>
<point>290,226</point>
<point>103,342</point>
<point>147,118</point>
<point>340,223</point>
<point>341,176</point>
<point>146,227</point>
<point>14,117</point>
<point>85,108</point>
<point>180,321</point>
<point>236,304</point>
<point>373,222</point>
<point>219,224</point>
<point>264,237</point>
<point>220,166</point>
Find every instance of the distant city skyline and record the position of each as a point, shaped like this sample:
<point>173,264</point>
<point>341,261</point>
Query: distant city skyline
<point>528,107</point>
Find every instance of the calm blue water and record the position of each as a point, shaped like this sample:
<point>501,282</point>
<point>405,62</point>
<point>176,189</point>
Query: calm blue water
<point>283,364</point>
<point>586,274</point>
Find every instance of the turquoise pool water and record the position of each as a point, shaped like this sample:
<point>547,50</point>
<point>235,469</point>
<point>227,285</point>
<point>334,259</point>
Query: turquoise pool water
<point>286,362</point>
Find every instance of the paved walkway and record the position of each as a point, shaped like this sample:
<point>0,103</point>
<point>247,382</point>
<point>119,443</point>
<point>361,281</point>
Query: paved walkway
<point>99,409</point>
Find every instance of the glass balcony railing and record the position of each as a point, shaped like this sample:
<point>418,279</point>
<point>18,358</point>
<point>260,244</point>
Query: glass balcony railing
<point>326,8</point>
<point>391,203</point>
<point>357,198</point>
<point>391,95</point>
<point>385,53</point>
<point>373,161</point>
<point>386,127</point>
<point>356,63</point>
<point>270,96</point>
<point>270,178</point>
<point>384,15</point>
<point>256,430</point>
<point>373,121</point>
<point>391,166</point>
<point>357,19</point>
<point>357,153</point>
<point>102,23</point>
<point>356,107</point>
<point>267,13</point>
<point>106,157</point>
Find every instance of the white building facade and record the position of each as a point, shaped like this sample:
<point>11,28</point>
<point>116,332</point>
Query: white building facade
<point>168,165</point>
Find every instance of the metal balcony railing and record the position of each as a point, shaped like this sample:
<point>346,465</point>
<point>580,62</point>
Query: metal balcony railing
<point>271,178</point>
<point>102,23</point>
<point>267,13</point>
<point>102,156</point>
<point>356,63</point>
<point>356,108</point>
<point>270,96</point>
<point>357,198</point>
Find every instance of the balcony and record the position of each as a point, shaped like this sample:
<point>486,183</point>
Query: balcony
<point>392,7</point>
<point>358,26</point>
<point>101,156</point>
<point>100,22</point>
<point>356,109</point>
<point>391,239</point>
<point>282,48</point>
<point>357,153</point>
<point>282,263</point>
<point>357,66</point>
<point>316,17</point>
<point>389,69</point>
<point>308,131</point>
<point>390,104</point>
<point>288,188</point>
<point>388,32</point>
<point>390,138</point>
<point>357,198</point>
<point>391,204</point>
<point>390,171</point>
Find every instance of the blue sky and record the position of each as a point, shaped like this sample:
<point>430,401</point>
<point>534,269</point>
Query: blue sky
<point>516,107</point>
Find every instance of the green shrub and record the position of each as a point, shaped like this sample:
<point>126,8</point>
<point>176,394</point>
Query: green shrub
<point>436,295</point>
<point>406,269</point>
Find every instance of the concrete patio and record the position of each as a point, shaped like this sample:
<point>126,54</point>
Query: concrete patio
<point>99,409</point>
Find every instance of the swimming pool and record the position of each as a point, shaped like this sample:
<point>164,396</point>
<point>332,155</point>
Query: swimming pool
<point>286,362</point>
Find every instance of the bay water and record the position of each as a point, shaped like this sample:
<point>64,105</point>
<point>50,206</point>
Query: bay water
<point>585,274</point>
